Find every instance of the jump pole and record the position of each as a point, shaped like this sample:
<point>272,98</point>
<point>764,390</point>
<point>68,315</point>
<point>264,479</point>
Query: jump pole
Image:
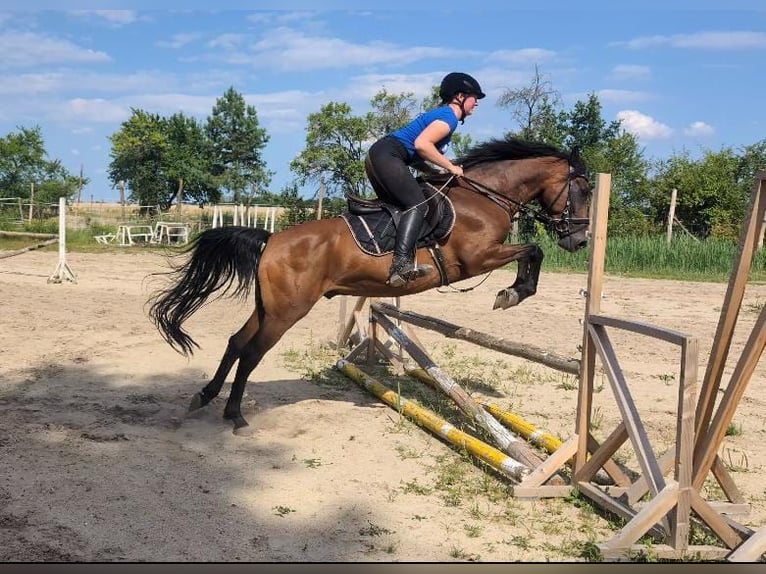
<point>63,271</point>
<point>489,454</point>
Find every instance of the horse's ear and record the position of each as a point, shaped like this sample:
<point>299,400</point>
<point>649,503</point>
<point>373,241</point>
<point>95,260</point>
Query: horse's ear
<point>574,156</point>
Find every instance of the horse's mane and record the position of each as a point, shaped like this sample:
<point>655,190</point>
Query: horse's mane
<point>514,148</point>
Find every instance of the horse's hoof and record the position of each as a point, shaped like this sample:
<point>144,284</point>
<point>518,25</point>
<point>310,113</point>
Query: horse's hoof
<point>196,403</point>
<point>505,299</point>
<point>243,430</point>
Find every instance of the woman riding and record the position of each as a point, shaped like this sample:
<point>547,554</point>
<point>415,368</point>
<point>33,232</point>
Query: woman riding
<point>424,139</point>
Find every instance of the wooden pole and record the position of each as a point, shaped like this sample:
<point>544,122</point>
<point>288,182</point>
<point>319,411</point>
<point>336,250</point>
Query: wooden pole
<point>31,200</point>
<point>321,197</point>
<point>671,214</point>
<point>436,424</point>
<point>63,271</point>
<point>599,216</point>
<point>121,187</point>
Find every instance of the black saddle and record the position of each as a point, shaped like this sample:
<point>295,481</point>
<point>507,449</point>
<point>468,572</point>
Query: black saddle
<point>373,222</point>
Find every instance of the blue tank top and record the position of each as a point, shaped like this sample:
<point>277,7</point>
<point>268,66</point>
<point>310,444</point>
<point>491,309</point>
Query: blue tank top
<point>409,133</point>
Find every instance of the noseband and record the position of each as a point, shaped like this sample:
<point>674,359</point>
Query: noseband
<point>563,225</point>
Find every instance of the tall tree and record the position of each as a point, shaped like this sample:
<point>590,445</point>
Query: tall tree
<point>336,143</point>
<point>24,163</point>
<point>138,155</point>
<point>189,167</point>
<point>390,112</point>
<point>237,143</point>
<point>533,107</point>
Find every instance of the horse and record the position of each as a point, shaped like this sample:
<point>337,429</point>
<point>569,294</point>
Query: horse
<point>290,270</point>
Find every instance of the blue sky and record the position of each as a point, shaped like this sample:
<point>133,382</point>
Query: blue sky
<point>680,79</point>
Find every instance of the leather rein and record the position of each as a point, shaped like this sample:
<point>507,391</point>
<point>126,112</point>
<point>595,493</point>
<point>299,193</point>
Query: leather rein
<point>562,225</point>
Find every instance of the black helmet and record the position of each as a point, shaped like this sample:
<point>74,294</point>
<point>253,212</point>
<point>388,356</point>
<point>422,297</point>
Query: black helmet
<point>459,83</point>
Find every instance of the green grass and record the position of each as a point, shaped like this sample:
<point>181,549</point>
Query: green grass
<point>711,260</point>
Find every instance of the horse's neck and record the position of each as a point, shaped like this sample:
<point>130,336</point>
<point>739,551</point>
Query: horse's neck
<point>510,181</point>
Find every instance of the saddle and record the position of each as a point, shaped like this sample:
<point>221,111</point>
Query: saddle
<point>373,222</point>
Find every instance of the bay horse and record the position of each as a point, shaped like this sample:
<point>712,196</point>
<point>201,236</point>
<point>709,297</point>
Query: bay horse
<point>290,270</point>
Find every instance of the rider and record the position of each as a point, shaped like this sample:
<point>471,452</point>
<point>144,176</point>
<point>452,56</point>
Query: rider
<point>423,139</point>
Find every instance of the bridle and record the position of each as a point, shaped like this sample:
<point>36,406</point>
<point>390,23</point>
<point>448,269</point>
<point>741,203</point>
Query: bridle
<point>562,226</point>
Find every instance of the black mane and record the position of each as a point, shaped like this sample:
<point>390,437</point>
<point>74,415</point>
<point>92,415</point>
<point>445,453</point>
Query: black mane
<point>513,148</point>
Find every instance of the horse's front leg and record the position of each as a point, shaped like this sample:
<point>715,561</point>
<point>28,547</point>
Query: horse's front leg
<point>529,257</point>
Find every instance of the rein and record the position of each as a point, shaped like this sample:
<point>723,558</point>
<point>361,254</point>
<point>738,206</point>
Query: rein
<point>559,225</point>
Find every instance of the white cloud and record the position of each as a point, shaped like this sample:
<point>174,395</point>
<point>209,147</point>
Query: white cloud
<point>525,56</point>
<point>699,129</point>
<point>628,72</point>
<point>118,17</point>
<point>92,110</point>
<point>287,49</point>
<point>70,82</point>
<point>21,49</point>
<point>228,41</point>
<point>742,40</point>
<point>642,126</point>
<point>178,40</point>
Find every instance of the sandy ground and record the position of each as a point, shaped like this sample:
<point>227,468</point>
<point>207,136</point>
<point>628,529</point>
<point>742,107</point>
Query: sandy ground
<point>100,461</point>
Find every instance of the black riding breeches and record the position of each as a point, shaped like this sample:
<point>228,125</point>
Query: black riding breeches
<point>390,176</point>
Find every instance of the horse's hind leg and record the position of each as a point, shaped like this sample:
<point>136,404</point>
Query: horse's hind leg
<point>233,350</point>
<point>249,358</point>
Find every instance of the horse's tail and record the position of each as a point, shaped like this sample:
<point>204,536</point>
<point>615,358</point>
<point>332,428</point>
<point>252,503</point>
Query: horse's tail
<point>223,261</point>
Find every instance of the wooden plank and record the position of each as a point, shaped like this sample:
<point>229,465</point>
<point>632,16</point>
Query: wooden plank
<point>752,549</point>
<point>709,445</point>
<point>636,432</point>
<point>640,486</point>
<point>641,328</point>
<point>727,482</point>
<point>729,312</point>
<point>549,466</point>
<point>353,318</point>
<point>616,507</point>
<point>715,521</point>
<point>599,216</point>
<point>684,455</point>
<point>452,331</point>
<point>654,511</point>
<point>611,468</point>
<point>603,453</point>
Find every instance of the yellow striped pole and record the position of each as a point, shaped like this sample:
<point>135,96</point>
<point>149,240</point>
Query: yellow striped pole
<point>428,419</point>
<point>525,429</point>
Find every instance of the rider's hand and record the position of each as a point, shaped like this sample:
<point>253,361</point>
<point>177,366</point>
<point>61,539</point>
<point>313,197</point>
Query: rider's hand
<point>456,170</point>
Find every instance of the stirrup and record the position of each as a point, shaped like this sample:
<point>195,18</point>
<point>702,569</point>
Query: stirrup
<point>404,270</point>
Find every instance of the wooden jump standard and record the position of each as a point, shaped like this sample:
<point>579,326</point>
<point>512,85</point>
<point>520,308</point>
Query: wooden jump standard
<point>672,500</point>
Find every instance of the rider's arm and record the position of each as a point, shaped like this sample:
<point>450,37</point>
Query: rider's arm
<point>425,145</point>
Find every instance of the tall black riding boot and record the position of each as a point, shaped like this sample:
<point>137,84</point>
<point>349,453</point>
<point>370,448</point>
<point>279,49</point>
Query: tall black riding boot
<point>403,266</point>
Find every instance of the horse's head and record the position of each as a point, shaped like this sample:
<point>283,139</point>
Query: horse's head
<point>565,199</point>
<point>514,172</point>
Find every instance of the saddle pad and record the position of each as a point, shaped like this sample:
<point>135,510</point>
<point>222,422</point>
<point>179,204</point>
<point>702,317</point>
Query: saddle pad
<point>375,233</point>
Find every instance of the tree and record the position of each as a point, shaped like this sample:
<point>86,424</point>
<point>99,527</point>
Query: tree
<point>390,112</point>
<point>23,163</point>
<point>138,155</point>
<point>336,143</point>
<point>189,168</point>
<point>533,107</point>
<point>237,142</point>
<point>159,157</point>
<point>709,201</point>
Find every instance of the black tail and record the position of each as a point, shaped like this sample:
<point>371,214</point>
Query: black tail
<point>218,257</point>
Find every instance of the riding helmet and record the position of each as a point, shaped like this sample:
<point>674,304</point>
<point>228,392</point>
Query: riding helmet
<point>459,83</point>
